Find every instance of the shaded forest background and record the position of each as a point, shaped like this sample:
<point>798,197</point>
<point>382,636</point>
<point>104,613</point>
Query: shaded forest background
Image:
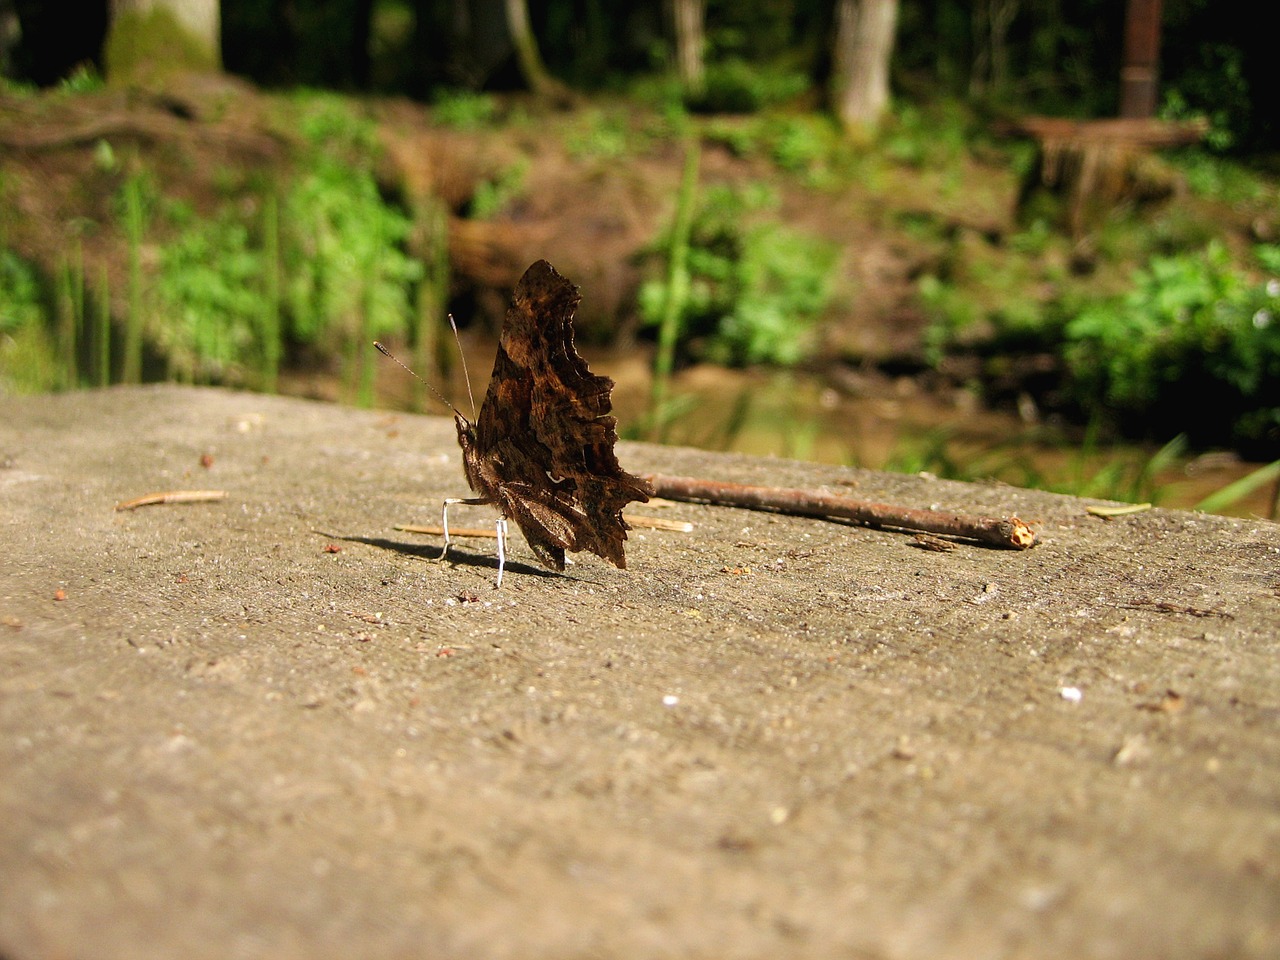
<point>1059,57</point>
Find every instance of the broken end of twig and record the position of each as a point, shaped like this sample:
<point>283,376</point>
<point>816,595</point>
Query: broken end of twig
<point>1019,534</point>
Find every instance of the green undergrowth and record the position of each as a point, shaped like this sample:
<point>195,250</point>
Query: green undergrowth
<point>1194,343</point>
<point>313,262</point>
<point>756,288</point>
<point>1159,323</point>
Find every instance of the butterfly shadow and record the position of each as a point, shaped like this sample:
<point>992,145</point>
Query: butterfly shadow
<point>460,557</point>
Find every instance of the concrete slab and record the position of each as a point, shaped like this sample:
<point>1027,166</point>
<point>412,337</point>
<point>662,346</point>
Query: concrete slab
<point>272,726</point>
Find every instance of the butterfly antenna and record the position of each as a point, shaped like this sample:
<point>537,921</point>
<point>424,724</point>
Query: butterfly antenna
<point>438,395</point>
<point>463,357</point>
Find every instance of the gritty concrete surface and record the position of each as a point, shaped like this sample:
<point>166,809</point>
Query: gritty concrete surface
<point>272,726</point>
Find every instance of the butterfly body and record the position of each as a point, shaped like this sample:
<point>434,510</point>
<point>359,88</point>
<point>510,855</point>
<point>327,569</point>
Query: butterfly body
<point>542,447</point>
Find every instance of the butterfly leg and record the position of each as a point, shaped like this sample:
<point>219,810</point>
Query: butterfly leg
<point>502,549</point>
<point>444,516</point>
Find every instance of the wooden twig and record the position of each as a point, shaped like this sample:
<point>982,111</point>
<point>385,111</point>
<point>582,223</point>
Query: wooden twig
<point>1007,532</point>
<point>172,496</point>
<point>634,521</point>
<point>435,530</point>
<point>640,522</point>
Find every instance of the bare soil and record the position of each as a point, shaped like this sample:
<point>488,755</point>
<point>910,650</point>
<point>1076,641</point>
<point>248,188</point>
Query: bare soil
<point>273,726</point>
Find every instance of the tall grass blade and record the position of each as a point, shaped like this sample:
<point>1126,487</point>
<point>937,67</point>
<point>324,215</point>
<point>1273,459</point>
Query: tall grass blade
<point>272,335</point>
<point>736,421</point>
<point>103,339</point>
<point>1164,458</point>
<point>433,293</point>
<point>132,369</point>
<point>677,281</point>
<point>67,324</point>
<point>1239,489</point>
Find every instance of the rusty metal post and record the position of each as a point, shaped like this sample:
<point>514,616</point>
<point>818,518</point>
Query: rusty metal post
<point>1141,59</point>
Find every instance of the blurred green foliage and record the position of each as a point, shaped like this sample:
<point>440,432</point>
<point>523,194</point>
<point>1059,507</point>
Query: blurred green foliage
<point>203,287</point>
<point>28,359</point>
<point>493,195</point>
<point>756,287</point>
<point>20,302</point>
<point>1195,343</point>
<point>209,294</point>
<point>735,85</point>
<point>463,109</point>
<point>344,258</point>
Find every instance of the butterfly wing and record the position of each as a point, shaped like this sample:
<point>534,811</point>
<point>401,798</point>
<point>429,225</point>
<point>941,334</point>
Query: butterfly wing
<point>544,436</point>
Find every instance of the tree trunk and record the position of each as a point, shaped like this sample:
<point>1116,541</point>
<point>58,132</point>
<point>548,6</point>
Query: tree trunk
<point>860,72</point>
<point>531,65</point>
<point>1141,58</point>
<point>689,17</point>
<point>991,22</point>
<point>151,39</point>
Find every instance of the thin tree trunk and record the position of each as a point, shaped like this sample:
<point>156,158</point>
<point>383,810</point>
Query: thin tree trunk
<point>185,34</point>
<point>863,48</point>
<point>991,22</point>
<point>1138,76</point>
<point>690,17</point>
<point>531,66</point>
<point>1003,13</point>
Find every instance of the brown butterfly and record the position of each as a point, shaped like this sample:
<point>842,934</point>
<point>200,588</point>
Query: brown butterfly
<point>541,449</point>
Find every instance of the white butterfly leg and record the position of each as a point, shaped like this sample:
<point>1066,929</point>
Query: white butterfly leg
<point>444,525</point>
<point>444,517</point>
<point>502,549</point>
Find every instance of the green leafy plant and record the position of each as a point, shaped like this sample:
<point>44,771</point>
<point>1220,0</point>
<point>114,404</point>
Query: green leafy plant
<point>1002,295</point>
<point>742,136</point>
<point>1195,342</point>
<point>318,261</point>
<point>28,355</point>
<point>137,199</point>
<point>341,238</point>
<point>917,137</point>
<point>1218,178</point>
<point>463,110</point>
<point>1217,89</point>
<point>209,291</point>
<point>780,288</point>
<point>334,127</point>
<point>756,288</point>
<point>342,246</point>
<point>598,135</point>
<point>492,196</point>
<point>675,291</point>
<point>20,302</point>
<point>736,85</point>
<point>950,310</point>
<point>85,78</point>
<point>348,275</point>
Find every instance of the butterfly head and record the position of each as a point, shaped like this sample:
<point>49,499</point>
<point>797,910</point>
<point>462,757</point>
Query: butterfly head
<point>466,431</point>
